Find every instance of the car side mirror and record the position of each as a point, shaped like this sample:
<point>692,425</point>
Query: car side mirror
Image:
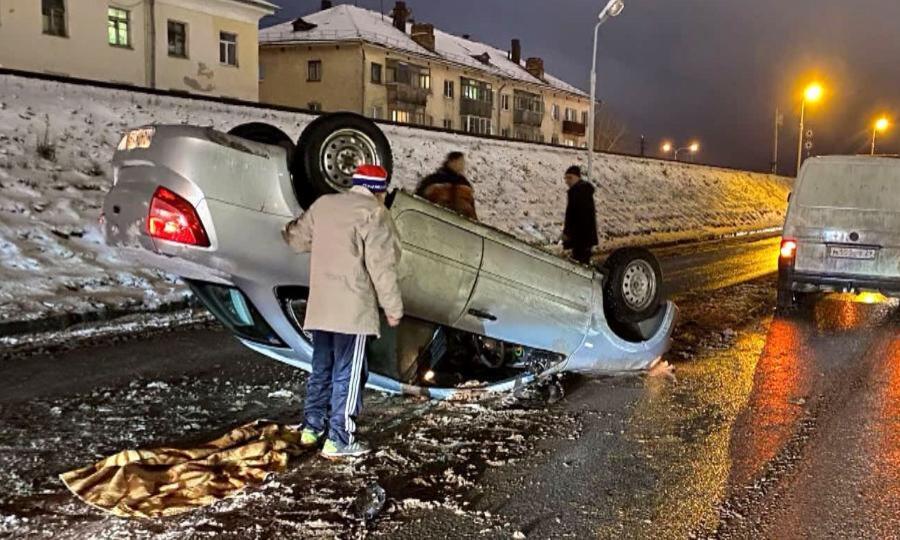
<point>790,193</point>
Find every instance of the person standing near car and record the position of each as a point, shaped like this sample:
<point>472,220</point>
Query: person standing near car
<point>355,252</point>
<point>448,186</point>
<point>580,230</point>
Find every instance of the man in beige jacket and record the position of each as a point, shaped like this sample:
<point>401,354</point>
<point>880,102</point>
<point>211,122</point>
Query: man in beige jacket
<point>353,270</point>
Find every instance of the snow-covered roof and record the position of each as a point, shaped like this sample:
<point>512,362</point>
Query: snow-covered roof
<point>262,4</point>
<point>350,23</point>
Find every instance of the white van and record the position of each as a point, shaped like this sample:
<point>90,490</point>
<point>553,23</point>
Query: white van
<point>842,231</point>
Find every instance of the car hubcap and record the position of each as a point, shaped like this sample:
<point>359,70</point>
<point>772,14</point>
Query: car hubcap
<point>639,285</point>
<point>344,151</point>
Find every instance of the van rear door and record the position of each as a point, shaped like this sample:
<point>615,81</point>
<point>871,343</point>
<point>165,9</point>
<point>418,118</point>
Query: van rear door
<point>846,218</point>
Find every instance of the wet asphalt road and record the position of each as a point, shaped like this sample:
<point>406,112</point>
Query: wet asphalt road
<point>785,427</point>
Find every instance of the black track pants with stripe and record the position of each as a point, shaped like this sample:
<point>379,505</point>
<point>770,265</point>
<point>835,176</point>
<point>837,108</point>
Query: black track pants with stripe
<point>335,388</point>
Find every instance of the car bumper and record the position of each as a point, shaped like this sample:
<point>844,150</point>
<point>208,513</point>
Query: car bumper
<point>805,282</point>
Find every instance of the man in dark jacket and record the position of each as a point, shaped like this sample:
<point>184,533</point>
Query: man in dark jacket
<point>449,188</point>
<point>580,231</point>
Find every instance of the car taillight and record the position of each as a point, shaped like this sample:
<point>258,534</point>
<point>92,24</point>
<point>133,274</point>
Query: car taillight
<point>173,218</point>
<point>788,248</point>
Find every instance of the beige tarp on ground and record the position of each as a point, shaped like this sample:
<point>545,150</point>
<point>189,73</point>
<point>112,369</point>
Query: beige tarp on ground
<point>169,481</point>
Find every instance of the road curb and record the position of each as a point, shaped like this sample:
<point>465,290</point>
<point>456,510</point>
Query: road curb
<point>64,321</point>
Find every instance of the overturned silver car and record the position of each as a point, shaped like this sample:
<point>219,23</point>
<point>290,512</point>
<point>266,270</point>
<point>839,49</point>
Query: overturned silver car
<point>485,311</point>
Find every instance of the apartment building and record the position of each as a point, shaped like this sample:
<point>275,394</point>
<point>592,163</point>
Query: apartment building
<point>202,46</point>
<point>346,58</point>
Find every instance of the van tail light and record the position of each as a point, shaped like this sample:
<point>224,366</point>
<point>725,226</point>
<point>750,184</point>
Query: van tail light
<point>788,249</point>
<point>174,219</point>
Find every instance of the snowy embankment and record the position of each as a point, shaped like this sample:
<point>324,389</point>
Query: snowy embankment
<point>56,141</point>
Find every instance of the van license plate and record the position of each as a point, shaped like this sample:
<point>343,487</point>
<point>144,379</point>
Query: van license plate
<point>837,252</point>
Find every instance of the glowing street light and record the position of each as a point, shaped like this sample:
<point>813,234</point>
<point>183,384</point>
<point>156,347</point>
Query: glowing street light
<point>881,125</point>
<point>667,147</point>
<point>812,94</point>
<point>613,9</point>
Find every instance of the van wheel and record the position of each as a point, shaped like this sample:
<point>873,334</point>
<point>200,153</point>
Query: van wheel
<point>265,134</point>
<point>632,291</point>
<point>785,300</point>
<point>329,151</point>
<point>788,300</point>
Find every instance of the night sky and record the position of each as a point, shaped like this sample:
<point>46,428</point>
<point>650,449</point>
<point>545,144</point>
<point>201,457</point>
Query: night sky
<point>711,70</point>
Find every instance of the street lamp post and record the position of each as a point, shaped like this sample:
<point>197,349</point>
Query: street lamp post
<point>612,9</point>
<point>812,94</point>
<point>693,149</point>
<point>881,125</point>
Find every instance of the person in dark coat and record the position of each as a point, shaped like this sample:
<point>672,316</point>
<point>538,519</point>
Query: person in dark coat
<point>449,188</point>
<point>580,231</point>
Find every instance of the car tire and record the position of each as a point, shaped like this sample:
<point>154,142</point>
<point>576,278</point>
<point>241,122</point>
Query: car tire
<point>266,134</point>
<point>788,300</point>
<point>632,290</point>
<point>785,299</point>
<point>330,149</point>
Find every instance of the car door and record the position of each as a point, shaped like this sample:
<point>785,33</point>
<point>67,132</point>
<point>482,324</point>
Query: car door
<point>529,297</point>
<point>439,264</point>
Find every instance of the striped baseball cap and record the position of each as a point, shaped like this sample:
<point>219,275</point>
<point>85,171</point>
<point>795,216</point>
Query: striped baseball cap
<point>372,177</point>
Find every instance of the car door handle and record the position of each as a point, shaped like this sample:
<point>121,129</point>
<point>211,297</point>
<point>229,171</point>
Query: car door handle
<point>482,315</point>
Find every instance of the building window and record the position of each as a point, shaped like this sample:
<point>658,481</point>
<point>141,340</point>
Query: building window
<point>314,106</point>
<point>448,89</point>
<point>505,133</point>
<point>571,115</point>
<point>476,90</point>
<point>118,27</point>
<point>314,71</point>
<point>554,139</point>
<point>228,48</point>
<point>554,111</point>
<point>584,117</point>
<point>448,123</point>
<point>377,112</point>
<point>400,116</point>
<point>477,125</point>
<point>53,13</point>
<point>376,73</point>
<point>178,39</point>
<point>425,81</point>
<point>570,142</point>
<point>504,101</point>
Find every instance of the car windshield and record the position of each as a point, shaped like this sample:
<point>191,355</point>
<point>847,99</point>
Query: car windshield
<point>874,186</point>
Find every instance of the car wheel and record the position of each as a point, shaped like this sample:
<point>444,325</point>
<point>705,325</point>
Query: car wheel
<point>329,151</point>
<point>632,291</point>
<point>265,134</point>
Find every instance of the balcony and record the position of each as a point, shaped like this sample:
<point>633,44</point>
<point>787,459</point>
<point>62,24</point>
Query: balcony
<point>528,118</point>
<point>404,93</point>
<point>474,107</point>
<point>573,128</point>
